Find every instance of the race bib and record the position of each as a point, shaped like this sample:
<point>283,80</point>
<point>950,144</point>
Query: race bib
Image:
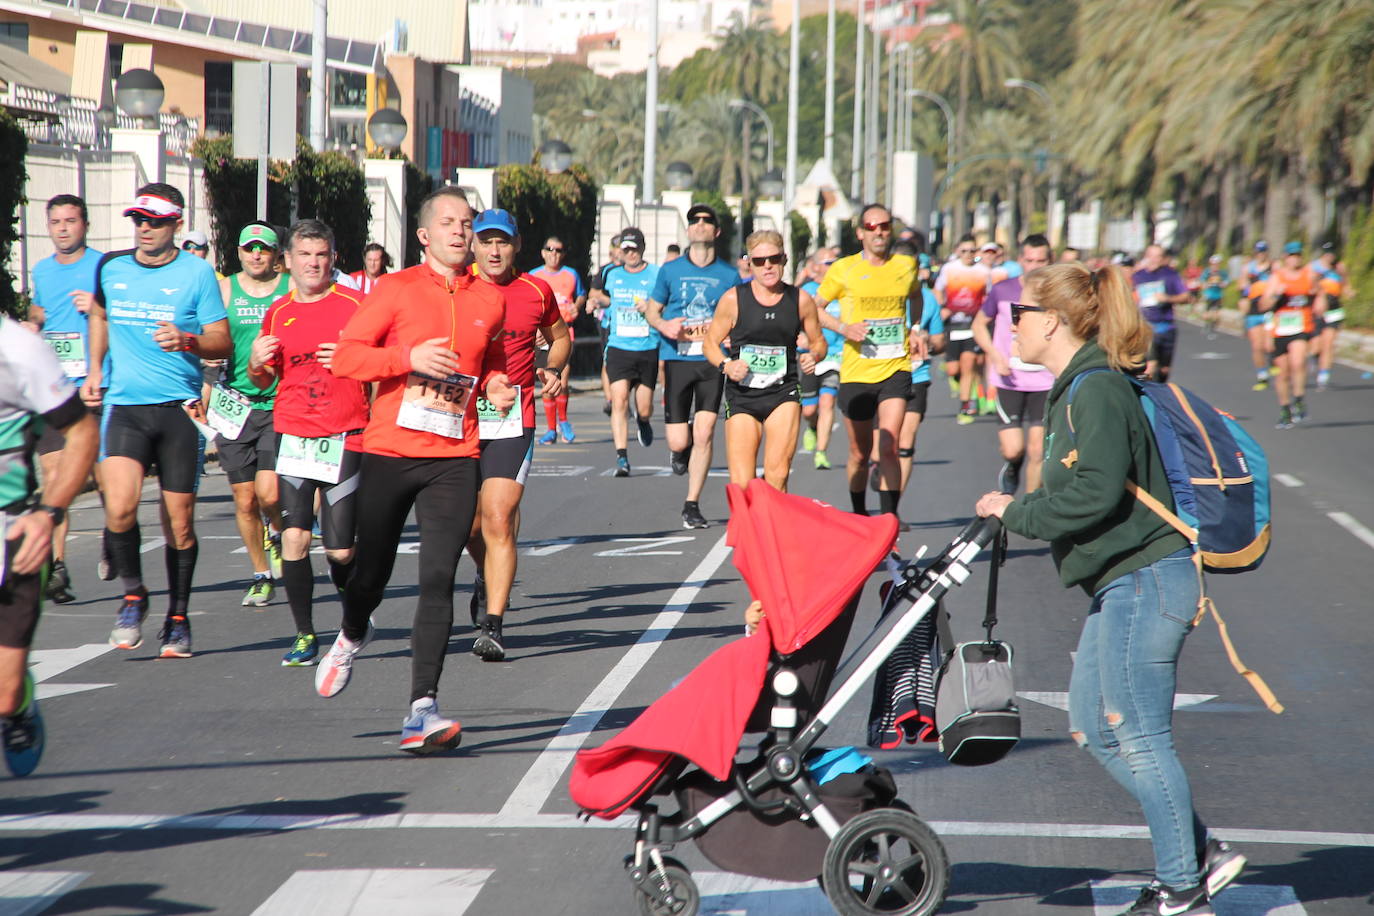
<point>436,405</point>
<point>630,322</point>
<point>1019,364</point>
<point>965,334</point>
<point>1334,315</point>
<point>493,424</point>
<point>886,339</point>
<point>1287,323</point>
<point>227,411</point>
<point>828,365</point>
<point>691,340</point>
<point>70,349</point>
<point>1149,293</point>
<point>767,365</point>
<point>314,459</point>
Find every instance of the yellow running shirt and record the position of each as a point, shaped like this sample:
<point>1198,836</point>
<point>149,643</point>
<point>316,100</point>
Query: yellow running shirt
<point>877,297</point>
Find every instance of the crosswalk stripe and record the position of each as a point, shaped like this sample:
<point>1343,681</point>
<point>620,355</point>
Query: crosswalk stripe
<point>726,894</point>
<point>1237,900</point>
<point>27,893</point>
<point>377,892</point>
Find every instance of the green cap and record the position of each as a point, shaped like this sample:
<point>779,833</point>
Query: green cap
<point>257,232</point>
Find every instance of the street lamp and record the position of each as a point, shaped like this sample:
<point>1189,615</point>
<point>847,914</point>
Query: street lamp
<point>555,156</point>
<point>679,176</point>
<point>140,93</point>
<point>1043,93</point>
<point>949,119</point>
<point>767,122</point>
<point>387,127</point>
<point>771,184</point>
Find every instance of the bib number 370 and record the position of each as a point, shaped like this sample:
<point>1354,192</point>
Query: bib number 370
<point>311,458</point>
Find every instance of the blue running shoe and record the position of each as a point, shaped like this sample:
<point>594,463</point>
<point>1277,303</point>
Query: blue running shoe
<point>622,466</point>
<point>128,628</point>
<point>549,438</point>
<point>303,653</point>
<point>23,733</point>
<point>566,431</point>
<point>425,731</point>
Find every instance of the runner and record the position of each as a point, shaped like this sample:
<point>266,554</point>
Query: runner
<point>597,303</point>
<point>1069,255</point>
<point>761,319</point>
<point>429,337</point>
<point>1294,296</point>
<point>820,388</point>
<point>1021,387</point>
<point>631,345</point>
<point>532,312</point>
<point>240,411</point>
<point>159,311</point>
<point>1214,279</point>
<point>961,287</point>
<point>1332,278</point>
<point>928,332</point>
<point>873,288</point>
<point>34,389</point>
<point>681,307</point>
<point>376,263</point>
<point>1158,288</point>
<point>1257,271</point>
<point>318,419</point>
<point>63,292</point>
<point>570,295</point>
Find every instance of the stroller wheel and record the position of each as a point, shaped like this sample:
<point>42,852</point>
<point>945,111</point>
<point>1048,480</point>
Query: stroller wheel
<point>685,898</point>
<point>886,862</point>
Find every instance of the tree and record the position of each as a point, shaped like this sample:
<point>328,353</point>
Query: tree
<point>752,65</point>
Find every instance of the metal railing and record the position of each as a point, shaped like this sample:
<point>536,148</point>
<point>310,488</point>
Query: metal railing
<point>63,120</point>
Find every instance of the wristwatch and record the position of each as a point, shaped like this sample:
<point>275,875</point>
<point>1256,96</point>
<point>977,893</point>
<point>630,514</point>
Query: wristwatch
<point>58,515</point>
<point>552,371</point>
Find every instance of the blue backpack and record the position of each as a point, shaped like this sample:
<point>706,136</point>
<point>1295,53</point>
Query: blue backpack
<point>1219,477</point>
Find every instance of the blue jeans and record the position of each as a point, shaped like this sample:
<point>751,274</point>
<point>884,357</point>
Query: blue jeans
<point>1121,702</point>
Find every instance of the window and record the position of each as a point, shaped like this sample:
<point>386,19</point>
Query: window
<point>219,97</point>
<point>349,89</point>
<point>15,35</point>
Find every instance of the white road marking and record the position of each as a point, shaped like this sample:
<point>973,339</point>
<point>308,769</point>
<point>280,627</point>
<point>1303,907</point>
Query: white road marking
<point>1237,900</point>
<point>1211,355</point>
<point>559,470</point>
<point>377,892</point>
<point>1348,522</point>
<point>27,893</point>
<point>1288,480</point>
<point>643,545</point>
<point>543,776</point>
<point>151,544</point>
<point>643,470</point>
<point>726,894</point>
<point>46,664</point>
<point>1061,700</point>
<point>550,546</point>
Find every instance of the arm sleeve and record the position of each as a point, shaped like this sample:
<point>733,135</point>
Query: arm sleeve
<point>360,354</point>
<point>549,315</point>
<point>209,303</point>
<point>660,291</point>
<point>578,288</point>
<point>831,287</point>
<point>1099,473</point>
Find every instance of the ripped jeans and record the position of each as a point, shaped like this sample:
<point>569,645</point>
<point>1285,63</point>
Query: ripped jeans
<point>1121,700</point>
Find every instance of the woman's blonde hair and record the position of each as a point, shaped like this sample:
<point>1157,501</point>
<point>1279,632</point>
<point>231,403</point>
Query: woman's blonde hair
<point>762,236</point>
<point>1096,304</point>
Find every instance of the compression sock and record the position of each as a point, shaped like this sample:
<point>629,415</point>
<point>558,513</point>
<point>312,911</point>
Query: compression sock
<point>858,501</point>
<point>887,501</point>
<point>181,567</point>
<point>562,402</point>
<point>338,573</point>
<point>299,580</point>
<point>124,557</point>
<point>551,413</point>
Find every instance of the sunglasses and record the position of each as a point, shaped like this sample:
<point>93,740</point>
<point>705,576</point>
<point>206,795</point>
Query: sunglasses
<point>702,218</point>
<point>1018,309</point>
<point>157,222</point>
<point>777,259</point>
<point>884,226</point>
<point>553,250</point>
<point>192,246</point>
<point>256,247</point>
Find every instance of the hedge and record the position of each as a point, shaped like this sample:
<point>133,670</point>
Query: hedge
<point>14,146</point>
<point>543,205</point>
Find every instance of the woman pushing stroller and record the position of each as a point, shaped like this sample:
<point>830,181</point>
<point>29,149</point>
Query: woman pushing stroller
<point>1138,571</point>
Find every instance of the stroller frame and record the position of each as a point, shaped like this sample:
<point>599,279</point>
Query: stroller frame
<point>666,884</point>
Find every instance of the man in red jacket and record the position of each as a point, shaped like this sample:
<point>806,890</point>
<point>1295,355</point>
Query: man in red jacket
<point>430,337</point>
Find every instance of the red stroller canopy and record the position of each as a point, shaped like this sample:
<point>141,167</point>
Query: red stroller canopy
<point>801,558</point>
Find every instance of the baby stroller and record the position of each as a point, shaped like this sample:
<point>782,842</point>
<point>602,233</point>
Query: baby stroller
<point>768,817</point>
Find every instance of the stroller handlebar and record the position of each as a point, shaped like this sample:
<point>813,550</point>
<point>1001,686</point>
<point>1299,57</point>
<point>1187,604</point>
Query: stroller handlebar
<point>981,531</point>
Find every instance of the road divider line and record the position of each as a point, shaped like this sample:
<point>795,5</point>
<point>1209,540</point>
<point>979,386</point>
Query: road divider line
<point>1349,523</point>
<point>539,781</point>
<point>1288,480</point>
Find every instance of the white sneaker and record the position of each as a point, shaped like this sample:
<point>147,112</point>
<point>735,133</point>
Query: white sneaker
<point>331,677</point>
<point>426,732</point>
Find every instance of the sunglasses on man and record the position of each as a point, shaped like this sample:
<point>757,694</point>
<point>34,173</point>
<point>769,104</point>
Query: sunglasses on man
<point>553,250</point>
<point>192,246</point>
<point>255,247</point>
<point>884,226</point>
<point>157,222</point>
<point>702,218</point>
<point>775,259</point>
<point>1018,309</point>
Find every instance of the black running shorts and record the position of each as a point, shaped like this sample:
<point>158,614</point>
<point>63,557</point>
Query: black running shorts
<point>508,458</point>
<point>1020,408</point>
<point>759,404</point>
<point>338,503</point>
<point>639,366</point>
<point>688,382</point>
<point>156,435</point>
<point>919,398</point>
<point>19,606</point>
<point>859,400</point>
<point>254,450</point>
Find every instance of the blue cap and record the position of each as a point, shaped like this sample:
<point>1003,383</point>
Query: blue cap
<point>1261,245</point>
<point>495,219</point>
<point>1293,248</point>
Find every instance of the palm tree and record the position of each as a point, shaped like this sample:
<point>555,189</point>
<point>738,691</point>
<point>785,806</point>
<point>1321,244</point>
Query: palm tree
<point>753,66</point>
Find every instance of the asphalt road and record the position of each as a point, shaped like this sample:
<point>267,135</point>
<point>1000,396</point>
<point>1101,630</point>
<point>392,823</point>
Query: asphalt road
<point>223,784</point>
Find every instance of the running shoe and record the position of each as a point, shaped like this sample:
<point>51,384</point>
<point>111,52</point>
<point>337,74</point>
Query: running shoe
<point>678,460</point>
<point>176,637</point>
<point>809,440</point>
<point>331,677</point>
<point>23,733</point>
<point>425,731</point>
<point>128,628</point>
<point>1299,410</point>
<point>967,414</point>
<point>478,603</point>
<point>1285,418</point>
<point>565,429</point>
<point>487,646</point>
<point>646,433</point>
<point>59,588</point>
<point>259,594</point>
<point>622,466</point>
<point>692,517</point>
<point>1261,383</point>
<point>822,463</point>
<point>104,568</point>
<point>271,543</point>
<point>549,438</point>
<point>1010,478</point>
<point>1323,379</point>
<point>1221,865</point>
<point>1161,900</point>
<point>304,651</point>
<point>986,406</point>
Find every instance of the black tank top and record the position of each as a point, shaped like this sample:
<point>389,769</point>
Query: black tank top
<point>765,336</point>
